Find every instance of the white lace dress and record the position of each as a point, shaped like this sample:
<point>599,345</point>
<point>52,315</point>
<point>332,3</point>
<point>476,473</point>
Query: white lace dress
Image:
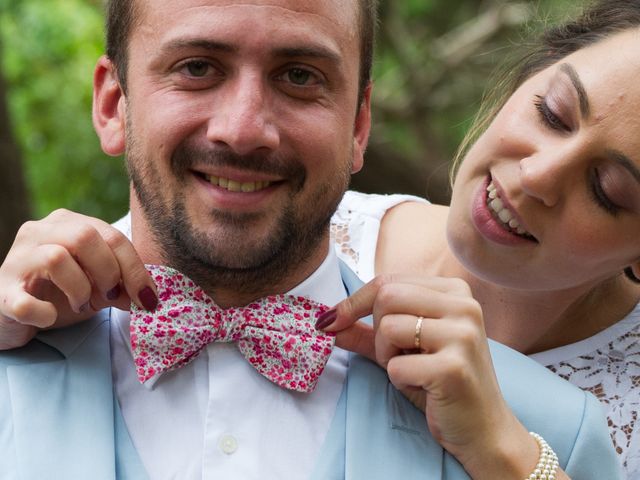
<point>607,364</point>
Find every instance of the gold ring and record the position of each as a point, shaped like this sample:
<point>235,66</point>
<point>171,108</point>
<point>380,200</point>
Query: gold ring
<point>416,338</point>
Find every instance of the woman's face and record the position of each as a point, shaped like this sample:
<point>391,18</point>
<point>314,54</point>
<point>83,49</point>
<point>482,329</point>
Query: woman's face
<point>549,196</point>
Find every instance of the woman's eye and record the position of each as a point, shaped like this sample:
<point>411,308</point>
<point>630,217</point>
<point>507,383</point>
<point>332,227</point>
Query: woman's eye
<point>600,195</point>
<point>548,116</point>
<point>299,76</point>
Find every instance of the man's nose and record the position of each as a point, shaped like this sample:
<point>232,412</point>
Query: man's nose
<point>243,118</point>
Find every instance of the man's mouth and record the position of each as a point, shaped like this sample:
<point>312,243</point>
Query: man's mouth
<point>235,186</point>
<point>503,215</point>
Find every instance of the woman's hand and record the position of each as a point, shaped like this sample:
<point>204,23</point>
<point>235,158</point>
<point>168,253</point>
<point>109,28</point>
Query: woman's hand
<point>62,269</point>
<point>428,334</point>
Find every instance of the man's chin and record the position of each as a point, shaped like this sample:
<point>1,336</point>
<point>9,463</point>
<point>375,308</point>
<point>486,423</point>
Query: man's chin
<point>234,251</point>
<point>240,259</point>
<point>243,246</point>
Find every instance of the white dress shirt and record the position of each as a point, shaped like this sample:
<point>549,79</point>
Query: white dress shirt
<point>218,417</point>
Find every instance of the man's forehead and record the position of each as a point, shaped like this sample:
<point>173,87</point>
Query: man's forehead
<point>339,11</point>
<point>267,25</point>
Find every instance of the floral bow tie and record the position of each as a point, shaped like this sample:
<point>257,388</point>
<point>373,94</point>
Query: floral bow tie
<point>276,334</point>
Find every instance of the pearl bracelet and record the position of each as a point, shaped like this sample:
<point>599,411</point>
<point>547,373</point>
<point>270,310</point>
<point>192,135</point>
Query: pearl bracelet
<point>547,466</point>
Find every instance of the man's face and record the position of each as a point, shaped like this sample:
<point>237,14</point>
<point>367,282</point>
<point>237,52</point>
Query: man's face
<point>242,129</point>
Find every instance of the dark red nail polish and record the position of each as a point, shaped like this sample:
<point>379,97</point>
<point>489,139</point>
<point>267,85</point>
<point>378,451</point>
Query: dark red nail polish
<point>114,292</point>
<point>148,299</point>
<point>326,319</point>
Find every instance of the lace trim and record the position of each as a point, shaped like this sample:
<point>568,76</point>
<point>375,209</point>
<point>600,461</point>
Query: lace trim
<point>341,237</point>
<point>612,374</point>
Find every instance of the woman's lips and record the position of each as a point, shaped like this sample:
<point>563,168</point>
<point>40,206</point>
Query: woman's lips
<point>494,219</point>
<point>503,213</point>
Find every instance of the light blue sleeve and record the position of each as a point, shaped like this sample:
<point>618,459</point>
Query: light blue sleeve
<point>591,456</point>
<point>571,420</point>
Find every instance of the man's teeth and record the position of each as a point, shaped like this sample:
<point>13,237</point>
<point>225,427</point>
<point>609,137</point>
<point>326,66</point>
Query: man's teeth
<point>501,213</point>
<point>234,186</point>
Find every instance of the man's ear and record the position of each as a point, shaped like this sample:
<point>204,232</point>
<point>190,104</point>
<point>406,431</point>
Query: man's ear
<point>362,130</point>
<point>109,112</point>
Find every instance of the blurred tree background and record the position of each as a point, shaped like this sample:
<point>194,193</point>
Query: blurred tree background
<point>434,58</point>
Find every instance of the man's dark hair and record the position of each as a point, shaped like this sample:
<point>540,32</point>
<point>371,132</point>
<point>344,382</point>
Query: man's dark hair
<point>368,27</point>
<point>122,16</point>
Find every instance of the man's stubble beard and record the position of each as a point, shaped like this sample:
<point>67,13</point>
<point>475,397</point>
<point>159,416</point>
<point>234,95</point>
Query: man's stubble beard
<point>231,257</point>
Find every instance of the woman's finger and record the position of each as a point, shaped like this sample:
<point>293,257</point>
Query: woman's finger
<point>57,265</point>
<point>401,333</point>
<point>89,248</point>
<point>358,338</point>
<point>402,293</point>
<point>446,374</point>
<point>25,309</point>
<point>423,301</point>
<point>14,334</point>
<point>116,272</point>
<point>136,283</point>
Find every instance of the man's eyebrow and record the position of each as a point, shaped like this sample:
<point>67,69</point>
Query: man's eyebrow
<point>315,51</point>
<point>210,45</point>
<point>577,84</point>
<point>318,52</point>
<point>625,162</point>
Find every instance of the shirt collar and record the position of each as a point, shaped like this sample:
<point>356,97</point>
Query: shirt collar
<point>325,284</point>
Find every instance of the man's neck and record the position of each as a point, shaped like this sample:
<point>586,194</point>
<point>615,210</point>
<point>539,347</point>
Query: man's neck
<point>232,298</point>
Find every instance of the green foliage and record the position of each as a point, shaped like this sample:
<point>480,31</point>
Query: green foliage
<point>50,49</point>
<point>424,84</point>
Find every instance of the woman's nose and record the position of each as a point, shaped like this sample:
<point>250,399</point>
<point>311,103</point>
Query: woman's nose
<point>542,176</point>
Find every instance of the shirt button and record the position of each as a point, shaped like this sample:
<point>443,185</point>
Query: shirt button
<point>228,444</point>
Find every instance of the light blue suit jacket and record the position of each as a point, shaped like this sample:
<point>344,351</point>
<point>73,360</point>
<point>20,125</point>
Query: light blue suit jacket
<point>59,418</point>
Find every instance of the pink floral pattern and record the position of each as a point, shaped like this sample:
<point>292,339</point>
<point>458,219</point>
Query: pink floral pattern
<point>276,334</point>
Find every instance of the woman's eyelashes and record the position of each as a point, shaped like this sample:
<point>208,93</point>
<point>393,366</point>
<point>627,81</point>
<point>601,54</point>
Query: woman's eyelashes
<point>548,116</point>
<point>600,196</point>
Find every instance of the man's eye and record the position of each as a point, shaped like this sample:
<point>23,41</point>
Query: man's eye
<point>197,68</point>
<point>299,76</point>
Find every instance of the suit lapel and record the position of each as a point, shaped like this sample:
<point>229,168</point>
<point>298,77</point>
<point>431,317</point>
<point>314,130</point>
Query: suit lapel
<point>63,409</point>
<point>384,435</point>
